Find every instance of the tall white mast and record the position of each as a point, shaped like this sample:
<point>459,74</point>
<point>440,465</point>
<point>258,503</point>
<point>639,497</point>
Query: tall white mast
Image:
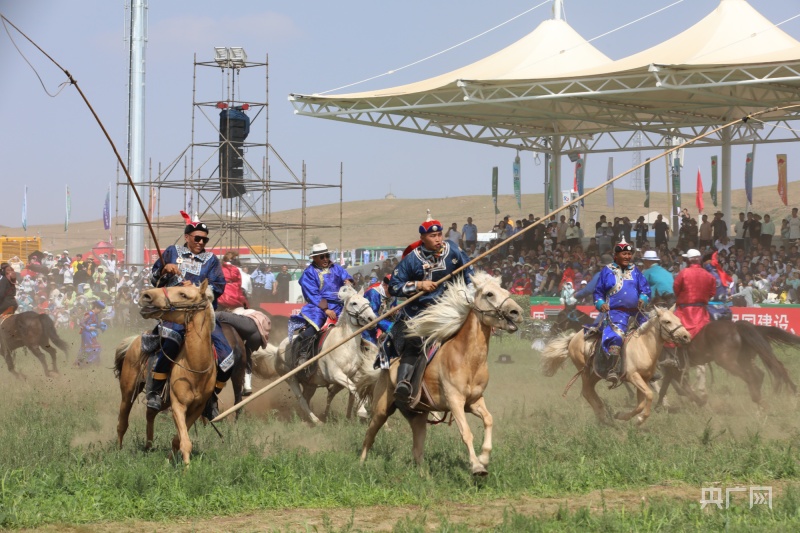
<point>134,238</point>
<point>558,9</point>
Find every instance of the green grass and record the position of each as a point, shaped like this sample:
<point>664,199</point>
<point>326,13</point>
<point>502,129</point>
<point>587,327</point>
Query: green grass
<point>59,463</point>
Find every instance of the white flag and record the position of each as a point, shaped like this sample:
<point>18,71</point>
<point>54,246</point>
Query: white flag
<point>610,186</point>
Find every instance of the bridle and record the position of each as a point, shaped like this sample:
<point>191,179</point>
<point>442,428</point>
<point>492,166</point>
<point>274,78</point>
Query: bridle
<point>190,310</point>
<point>495,311</point>
<point>357,313</point>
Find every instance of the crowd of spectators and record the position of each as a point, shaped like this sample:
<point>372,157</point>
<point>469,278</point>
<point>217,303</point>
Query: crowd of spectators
<point>759,258</point>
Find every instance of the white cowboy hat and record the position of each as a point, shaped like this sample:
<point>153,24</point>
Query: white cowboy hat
<point>650,255</point>
<point>318,249</point>
<point>692,253</point>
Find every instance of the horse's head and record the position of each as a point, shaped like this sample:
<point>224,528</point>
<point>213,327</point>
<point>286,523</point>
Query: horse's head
<point>175,304</point>
<point>494,304</point>
<point>670,327</point>
<point>355,306</point>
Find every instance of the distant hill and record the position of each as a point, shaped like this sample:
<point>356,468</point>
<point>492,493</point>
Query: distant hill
<point>395,221</point>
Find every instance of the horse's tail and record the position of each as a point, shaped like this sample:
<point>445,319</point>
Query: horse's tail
<point>778,335</point>
<point>264,362</point>
<point>119,354</point>
<point>50,332</point>
<point>759,341</point>
<point>555,353</point>
<point>365,379</point>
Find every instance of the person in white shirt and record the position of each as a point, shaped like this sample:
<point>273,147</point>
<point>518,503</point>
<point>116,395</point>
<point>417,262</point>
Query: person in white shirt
<point>794,225</point>
<point>454,235</point>
<point>723,244</point>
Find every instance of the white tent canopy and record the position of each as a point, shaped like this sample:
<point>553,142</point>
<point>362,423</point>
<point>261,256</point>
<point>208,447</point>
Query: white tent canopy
<point>553,92</point>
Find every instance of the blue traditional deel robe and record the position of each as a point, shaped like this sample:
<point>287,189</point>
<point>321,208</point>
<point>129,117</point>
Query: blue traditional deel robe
<point>380,302</point>
<point>194,268</point>
<point>721,291</point>
<point>319,284</point>
<point>622,289</point>
<point>90,346</point>
<point>423,265</point>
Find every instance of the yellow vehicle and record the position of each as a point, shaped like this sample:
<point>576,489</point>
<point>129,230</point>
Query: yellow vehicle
<point>18,246</point>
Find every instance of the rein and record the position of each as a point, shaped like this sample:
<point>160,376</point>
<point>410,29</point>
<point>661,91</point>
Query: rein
<point>495,311</point>
<point>190,310</point>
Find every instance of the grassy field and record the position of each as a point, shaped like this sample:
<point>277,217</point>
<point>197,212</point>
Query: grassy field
<point>553,468</point>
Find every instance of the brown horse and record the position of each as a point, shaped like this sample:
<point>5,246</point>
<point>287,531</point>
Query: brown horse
<point>193,375</point>
<point>642,350</point>
<point>734,346</point>
<point>462,319</point>
<point>32,331</point>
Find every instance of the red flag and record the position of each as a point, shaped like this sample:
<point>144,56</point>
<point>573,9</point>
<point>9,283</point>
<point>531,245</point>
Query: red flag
<point>699,198</point>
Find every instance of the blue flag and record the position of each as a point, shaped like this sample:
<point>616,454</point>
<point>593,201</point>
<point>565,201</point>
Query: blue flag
<point>25,209</point>
<point>107,211</point>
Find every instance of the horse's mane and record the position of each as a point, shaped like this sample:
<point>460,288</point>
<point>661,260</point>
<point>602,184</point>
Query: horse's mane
<point>445,317</point>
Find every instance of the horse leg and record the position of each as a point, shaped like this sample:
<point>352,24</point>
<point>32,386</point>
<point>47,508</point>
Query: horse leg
<point>129,390</point>
<point>10,363</point>
<point>749,373</point>
<point>588,392</point>
<point>645,397</point>
<point>333,390</point>
<point>479,409</point>
<point>382,404</point>
<point>40,356</point>
<point>700,372</point>
<point>302,400</point>
<point>419,429</point>
<point>52,351</point>
<point>351,400</point>
<point>456,404</point>
<point>181,441</point>
<point>150,416</point>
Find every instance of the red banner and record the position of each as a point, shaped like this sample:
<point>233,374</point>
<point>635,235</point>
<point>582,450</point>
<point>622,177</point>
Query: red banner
<point>698,201</point>
<point>782,192</point>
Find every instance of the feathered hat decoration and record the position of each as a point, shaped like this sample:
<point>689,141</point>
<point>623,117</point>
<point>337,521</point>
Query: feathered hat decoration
<point>193,225</point>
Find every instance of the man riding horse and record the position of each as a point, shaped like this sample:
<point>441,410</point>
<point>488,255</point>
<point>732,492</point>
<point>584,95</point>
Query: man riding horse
<point>320,283</point>
<point>189,264</point>
<point>8,290</point>
<point>694,288</point>
<point>425,262</point>
<point>621,293</point>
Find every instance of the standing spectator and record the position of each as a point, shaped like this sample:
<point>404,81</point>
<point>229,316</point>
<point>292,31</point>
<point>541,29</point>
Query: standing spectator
<point>283,279</point>
<point>640,228</point>
<point>767,231</point>
<point>738,232</point>
<point>794,226</point>
<point>263,280</point>
<point>604,235</point>
<point>661,229</point>
<point>454,235</point>
<point>625,228</point>
<point>470,233</point>
<point>561,231</point>
<point>719,226</point>
<point>600,223</point>
<point>573,235</point>
<point>755,230</point>
<point>785,232</point>
<point>704,240</point>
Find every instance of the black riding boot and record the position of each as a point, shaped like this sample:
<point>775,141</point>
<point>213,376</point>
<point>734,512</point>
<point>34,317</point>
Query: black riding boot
<point>154,390</point>
<point>212,409</point>
<point>402,393</point>
<point>613,375</point>
<point>305,347</point>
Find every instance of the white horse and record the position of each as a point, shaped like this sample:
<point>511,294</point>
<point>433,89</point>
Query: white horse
<point>337,370</point>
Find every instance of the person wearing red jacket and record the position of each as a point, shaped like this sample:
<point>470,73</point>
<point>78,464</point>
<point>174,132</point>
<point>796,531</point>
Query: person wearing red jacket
<point>233,296</point>
<point>694,287</point>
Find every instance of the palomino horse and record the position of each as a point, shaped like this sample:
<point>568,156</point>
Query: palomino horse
<point>192,378</point>
<point>642,350</point>
<point>336,370</point>
<point>733,346</point>
<point>32,331</point>
<point>462,320</point>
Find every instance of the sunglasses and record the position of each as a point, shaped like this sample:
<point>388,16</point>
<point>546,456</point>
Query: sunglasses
<point>324,256</point>
<point>198,238</point>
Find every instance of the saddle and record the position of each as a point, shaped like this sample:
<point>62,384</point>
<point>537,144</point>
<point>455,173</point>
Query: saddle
<point>310,347</point>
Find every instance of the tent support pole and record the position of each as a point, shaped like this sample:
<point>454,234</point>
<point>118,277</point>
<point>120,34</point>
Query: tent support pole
<point>726,175</point>
<point>556,177</point>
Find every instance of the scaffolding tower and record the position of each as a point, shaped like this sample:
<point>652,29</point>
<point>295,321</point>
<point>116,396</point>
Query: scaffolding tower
<point>238,221</point>
<point>636,160</point>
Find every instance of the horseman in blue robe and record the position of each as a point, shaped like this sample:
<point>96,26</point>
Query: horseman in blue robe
<point>320,283</point>
<point>380,301</point>
<point>424,263</point>
<point>189,264</point>
<point>621,293</point>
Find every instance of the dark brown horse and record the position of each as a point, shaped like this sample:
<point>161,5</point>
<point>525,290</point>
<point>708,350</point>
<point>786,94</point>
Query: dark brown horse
<point>32,331</point>
<point>734,346</point>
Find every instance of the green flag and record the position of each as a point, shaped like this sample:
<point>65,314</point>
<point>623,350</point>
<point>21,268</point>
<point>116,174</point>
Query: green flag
<point>517,186</point>
<point>494,190</point>
<point>714,180</point>
<point>647,184</point>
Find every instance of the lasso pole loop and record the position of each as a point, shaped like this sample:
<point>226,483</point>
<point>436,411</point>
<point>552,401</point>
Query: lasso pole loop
<point>74,82</point>
<point>390,312</point>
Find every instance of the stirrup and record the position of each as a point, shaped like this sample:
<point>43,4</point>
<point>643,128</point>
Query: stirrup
<point>402,393</point>
<point>615,381</point>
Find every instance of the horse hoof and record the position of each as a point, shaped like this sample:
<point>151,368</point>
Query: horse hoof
<point>479,471</point>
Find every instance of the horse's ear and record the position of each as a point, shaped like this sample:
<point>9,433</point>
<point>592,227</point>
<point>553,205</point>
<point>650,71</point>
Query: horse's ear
<point>361,292</point>
<point>672,309</point>
<point>203,286</point>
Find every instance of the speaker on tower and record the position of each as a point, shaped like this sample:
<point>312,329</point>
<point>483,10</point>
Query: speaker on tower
<point>234,125</point>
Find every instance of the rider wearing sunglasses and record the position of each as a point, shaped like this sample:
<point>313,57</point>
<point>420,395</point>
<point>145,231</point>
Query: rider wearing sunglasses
<point>189,264</point>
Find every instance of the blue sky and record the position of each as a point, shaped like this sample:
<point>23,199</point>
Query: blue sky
<point>48,143</point>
